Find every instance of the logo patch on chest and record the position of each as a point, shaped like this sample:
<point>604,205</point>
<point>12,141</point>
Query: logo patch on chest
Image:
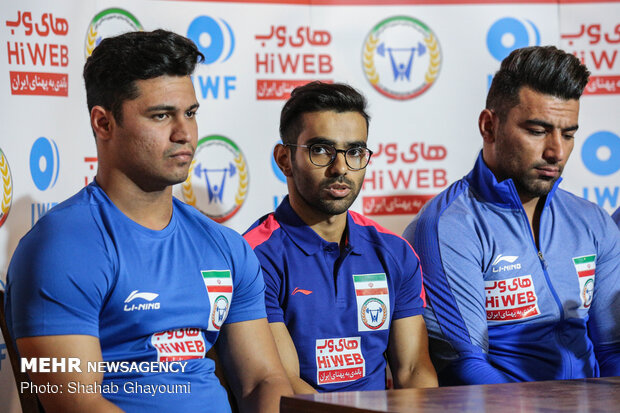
<point>373,302</point>
<point>585,267</point>
<point>511,299</point>
<point>181,344</point>
<point>220,289</point>
<point>339,360</point>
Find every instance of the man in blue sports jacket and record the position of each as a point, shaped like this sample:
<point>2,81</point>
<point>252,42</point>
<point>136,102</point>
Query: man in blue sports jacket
<point>522,278</point>
<point>341,292</point>
<point>124,273</point>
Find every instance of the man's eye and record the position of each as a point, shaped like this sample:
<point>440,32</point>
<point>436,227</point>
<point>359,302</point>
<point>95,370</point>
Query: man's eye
<point>356,152</point>
<point>320,149</point>
<point>190,114</point>
<point>537,132</point>
<point>160,116</point>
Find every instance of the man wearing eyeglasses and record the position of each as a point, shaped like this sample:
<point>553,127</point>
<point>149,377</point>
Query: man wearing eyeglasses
<point>341,292</point>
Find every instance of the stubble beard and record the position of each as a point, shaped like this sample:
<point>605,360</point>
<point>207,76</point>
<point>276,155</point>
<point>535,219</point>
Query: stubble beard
<point>328,206</point>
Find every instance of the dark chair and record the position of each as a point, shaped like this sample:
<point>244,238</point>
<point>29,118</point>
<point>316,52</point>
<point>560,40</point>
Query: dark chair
<point>29,401</point>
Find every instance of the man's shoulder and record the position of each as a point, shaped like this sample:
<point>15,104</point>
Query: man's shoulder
<point>578,207</point>
<point>71,219</point>
<point>263,232</point>
<point>195,220</point>
<point>375,232</point>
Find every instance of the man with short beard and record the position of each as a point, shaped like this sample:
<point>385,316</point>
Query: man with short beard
<point>340,290</point>
<point>523,278</point>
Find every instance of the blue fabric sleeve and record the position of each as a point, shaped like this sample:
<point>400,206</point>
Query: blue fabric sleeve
<point>451,255</point>
<point>59,276</point>
<point>248,285</point>
<point>603,324</point>
<point>275,313</point>
<point>616,217</point>
<point>408,301</point>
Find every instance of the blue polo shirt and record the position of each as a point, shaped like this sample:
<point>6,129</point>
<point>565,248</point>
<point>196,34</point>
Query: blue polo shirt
<point>337,306</point>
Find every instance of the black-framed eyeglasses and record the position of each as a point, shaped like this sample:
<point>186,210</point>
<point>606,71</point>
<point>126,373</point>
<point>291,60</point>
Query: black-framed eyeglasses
<point>323,154</point>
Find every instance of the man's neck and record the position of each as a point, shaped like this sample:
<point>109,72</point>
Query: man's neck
<point>329,227</point>
<point>152,209</point>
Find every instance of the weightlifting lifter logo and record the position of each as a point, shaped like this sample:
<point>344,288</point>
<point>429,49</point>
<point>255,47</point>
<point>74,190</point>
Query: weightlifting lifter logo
<point>217,183</point>
<point>401,57</point>
<point>373,301</point>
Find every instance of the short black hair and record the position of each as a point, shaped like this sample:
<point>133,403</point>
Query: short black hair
<point>545,69</point>
<point>317,97</point>
<point>117,62</point>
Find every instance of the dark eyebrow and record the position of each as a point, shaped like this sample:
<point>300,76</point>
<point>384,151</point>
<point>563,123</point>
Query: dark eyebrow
<point>169,108</point>
<point>547,125</point>
<point>328,141</point>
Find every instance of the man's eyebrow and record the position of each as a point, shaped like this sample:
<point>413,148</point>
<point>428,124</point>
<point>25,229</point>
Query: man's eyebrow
<point>547,125</point>
<point>169,108</point>
<point>328,141</point>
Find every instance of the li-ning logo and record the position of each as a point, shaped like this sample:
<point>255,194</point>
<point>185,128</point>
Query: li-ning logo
<point>508,267</point>
<point>299,290</point>
<point>142,306</point>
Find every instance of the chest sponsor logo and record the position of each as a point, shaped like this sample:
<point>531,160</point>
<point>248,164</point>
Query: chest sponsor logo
<point>511,299</point>
<point>145,301</point>
<point>220,289</point>
<point>585,267</point>
<point>373,302</point>
<point>508,263</point>
<point>181,344</point>
<point>339,360</point>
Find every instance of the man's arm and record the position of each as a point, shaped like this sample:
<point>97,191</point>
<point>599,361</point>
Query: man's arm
<point>85,348</point>
<point>289,358</point>
<point>451,257</point>
<point>253,369</point>
<point>603,324</point>
<point>408,354</point>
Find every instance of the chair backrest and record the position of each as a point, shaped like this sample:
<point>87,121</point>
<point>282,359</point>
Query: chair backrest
<point>29,401</point>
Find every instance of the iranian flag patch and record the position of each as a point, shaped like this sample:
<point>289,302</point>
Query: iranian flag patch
<point>585,267</point>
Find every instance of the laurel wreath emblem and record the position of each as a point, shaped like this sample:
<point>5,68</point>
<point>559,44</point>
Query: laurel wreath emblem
<point>435,61</point>
<point>7,188</point>
<point>369,59</point>
<point>242,191</point>
<point>188,191</point>
<point>91,38</point>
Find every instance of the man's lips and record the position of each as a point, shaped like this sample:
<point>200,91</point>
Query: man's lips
<point>549,171</point>
<point>338,190</point>
<point>185,155</point>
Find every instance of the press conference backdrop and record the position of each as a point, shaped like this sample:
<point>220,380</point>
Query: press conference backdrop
<point>425,67</point>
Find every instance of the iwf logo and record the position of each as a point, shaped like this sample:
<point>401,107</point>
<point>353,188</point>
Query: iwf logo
<point>109,22</point>
<point>44,163</point>
<point>218,180</point>
<point>508,34</point>
<point>211,39</point>
<point>401,57</point>
<point>7,188</point>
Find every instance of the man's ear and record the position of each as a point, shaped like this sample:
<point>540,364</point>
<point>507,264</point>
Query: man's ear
<point>487,124</point>
<point>101,121</point>
<point>282,156</point>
